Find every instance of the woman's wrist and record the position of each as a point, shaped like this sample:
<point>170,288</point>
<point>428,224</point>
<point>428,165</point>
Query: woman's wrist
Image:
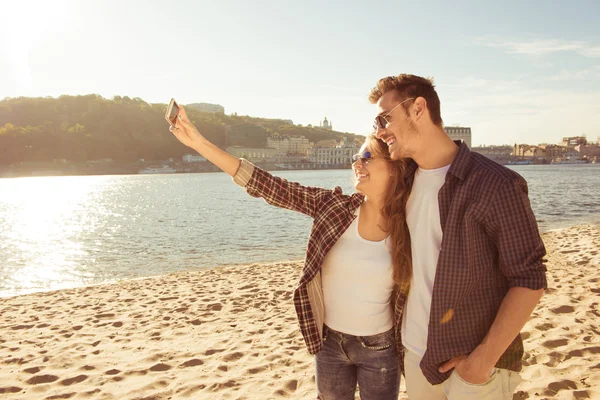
<point>201,145</point>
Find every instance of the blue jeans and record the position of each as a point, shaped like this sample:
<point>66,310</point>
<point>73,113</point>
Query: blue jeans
<point>344,360</point>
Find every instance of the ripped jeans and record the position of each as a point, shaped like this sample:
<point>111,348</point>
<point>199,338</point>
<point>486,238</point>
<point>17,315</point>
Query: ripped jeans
<point>370,361</point>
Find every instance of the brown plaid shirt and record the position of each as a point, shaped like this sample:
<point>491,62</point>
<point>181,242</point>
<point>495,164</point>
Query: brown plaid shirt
<point>490,243</point>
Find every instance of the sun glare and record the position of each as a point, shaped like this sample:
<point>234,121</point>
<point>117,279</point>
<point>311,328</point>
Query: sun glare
<point>27,24</point>
<point>45,221</point>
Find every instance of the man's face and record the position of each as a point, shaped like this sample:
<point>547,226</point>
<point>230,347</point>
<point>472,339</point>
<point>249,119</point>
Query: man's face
<point>400,132</point>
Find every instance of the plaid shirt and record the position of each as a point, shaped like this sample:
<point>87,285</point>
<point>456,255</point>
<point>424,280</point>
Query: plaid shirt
<point>490,244</point>
<point>332,212</point>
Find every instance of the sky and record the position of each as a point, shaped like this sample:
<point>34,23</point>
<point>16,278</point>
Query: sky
<point>513,71</point>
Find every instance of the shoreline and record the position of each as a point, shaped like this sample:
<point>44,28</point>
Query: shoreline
<point>231,333</point>
<point>229,265</point>
<point>207,169</point>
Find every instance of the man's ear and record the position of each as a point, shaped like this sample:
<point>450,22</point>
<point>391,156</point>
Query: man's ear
<point>419,108</point>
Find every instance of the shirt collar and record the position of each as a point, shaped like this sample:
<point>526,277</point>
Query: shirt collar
<point>460,165</point>
<point>462,162</point>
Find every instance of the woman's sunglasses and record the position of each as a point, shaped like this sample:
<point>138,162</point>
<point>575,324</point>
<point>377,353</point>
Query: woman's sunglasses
<point>365,157</point>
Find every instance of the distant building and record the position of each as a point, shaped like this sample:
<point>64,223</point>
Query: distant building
<point>207,108</point>
<point>496,153</point>
<point>588,151</point>
<point>326,124</point>
<point>279,143</point>
<point>333,156</point>
<point>290,161</point>
<point>252,154</point>
<point>536,152</point>
<point>193,158</point>
<point>555,151</point>
<point>572,141</point>
<point>289,144</point>
<point>299,145</point>
<point>459,133</point>
<point>519,150</point>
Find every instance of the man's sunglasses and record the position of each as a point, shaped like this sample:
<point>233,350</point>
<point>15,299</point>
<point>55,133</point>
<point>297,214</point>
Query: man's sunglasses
<point>365,157</point>
<point>381,120</point>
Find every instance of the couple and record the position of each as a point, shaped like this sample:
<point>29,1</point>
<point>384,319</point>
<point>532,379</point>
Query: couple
<point>431,270</point>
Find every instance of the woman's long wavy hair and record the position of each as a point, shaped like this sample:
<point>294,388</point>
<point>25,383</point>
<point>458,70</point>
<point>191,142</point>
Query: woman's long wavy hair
<point>394,212</point>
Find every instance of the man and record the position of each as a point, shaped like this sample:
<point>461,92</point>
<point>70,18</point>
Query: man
<point>477,256</point>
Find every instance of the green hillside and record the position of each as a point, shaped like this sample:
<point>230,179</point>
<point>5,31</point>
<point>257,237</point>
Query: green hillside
<point>87,128</point>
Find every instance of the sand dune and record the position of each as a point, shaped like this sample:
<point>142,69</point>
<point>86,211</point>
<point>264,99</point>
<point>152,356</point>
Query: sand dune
<point>231,333</point>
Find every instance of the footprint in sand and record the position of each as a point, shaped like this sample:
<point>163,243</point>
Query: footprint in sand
<point>574,353</point>
<point>233,356</point>
<point>19,327</point>
<point>46,378</point>
<point>555,387</point>
<point>108,315</point>
<point>292,385</point>
<point>160,367</point>
<point>256,370</point>
<point>563,310</point>
<point>593,350</point>
<point>10,389</point>
<point>71,381</point>
<point>212,351</point>
<point>552,344</point>
<point>192,363</point>
<point>112,372</point>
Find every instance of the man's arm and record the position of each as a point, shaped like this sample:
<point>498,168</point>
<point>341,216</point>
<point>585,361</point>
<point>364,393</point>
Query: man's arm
<point>514,312</point>
<point>520,255</point>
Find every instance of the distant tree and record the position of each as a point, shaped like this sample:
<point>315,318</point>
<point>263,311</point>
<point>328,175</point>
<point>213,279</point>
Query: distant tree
<point>90,127</point>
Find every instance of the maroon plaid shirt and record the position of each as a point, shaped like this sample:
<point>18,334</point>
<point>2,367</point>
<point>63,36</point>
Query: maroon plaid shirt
<point>490,244</point>
<point>332,212</point>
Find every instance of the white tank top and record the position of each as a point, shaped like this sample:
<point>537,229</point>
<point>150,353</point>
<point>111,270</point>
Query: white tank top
<point>357,284</point>
<point>423,220</point>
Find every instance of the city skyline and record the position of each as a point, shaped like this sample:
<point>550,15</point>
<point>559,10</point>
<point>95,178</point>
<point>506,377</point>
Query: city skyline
<point>512,72</point>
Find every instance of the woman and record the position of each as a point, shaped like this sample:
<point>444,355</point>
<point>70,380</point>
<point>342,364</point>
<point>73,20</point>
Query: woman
<point>344,300</point>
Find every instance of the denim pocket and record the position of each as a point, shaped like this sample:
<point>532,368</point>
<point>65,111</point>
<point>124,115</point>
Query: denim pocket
<point>381,341</point>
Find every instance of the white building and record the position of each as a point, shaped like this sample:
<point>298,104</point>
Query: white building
<point>252,154</point>
<point>192,158</point>
<point>333,156</point>
<point>279,143</point>
<point>299,145</point>
<point>289,144</point>
<point>459,133</point>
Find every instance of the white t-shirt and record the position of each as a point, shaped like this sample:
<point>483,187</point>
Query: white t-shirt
<point>357,284</point>
<point>423,220</point>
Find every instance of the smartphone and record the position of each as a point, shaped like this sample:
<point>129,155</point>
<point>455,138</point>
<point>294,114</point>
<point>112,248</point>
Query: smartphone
<point>172,113</point>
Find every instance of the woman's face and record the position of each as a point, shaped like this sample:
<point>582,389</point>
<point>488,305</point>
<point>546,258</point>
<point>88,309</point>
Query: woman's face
<point>371,172</point>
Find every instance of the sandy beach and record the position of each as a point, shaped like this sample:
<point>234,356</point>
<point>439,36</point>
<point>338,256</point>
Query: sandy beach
<point>231,333</point>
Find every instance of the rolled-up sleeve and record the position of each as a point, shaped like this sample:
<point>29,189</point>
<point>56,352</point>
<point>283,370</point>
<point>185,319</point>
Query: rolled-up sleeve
<point>513,225</point>
<point>244,173</point>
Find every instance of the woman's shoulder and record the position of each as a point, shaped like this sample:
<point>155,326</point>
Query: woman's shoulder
<point>338,199</point>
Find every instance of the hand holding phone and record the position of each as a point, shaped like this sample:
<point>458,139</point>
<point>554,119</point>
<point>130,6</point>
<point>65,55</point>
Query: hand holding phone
<point>172,113</point>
